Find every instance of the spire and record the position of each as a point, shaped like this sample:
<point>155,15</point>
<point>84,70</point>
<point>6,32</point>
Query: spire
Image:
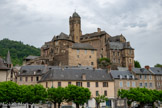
<point>8,60</point>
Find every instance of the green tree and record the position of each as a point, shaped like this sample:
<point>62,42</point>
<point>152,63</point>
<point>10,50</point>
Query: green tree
<point>137,64</point>
<point>100,99</point>
<point>8,92</point>
<point>141,95</point>
<point>104,62</point>
<point>56,95</point>
<point>78,95</point>
<point>158,65</point>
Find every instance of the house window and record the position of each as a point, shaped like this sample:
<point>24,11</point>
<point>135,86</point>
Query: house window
<point>140,76</point>
<point>118,53</point>
<point>88,84</point>
<point>145,84</point>
<point>113,53</point>
<point>92,51</point>
<point>105,93</point>
<point>105,84</point>
<point>77,51</point>
<point>85,51</point>
<point>150,85</point>
<point>26,79</point>
<point>96,84</point>
<point>130,61</point>
<point>128,84</point>
<point>46,84</point>
<point>145,77</point>
<point>89,56</point>
<point>69,83</point>
<point>133,84</point>
<point>97,93</point>
<point>121,83</point>
<point>119,60</point>
<point>79,84</point>
<point>150,77</point>
<point>91,63</point>
<point>59,84</point>
<point>140,84</point>
<point>37,78</point>
<point>31,79</point>
<point>20,78</point>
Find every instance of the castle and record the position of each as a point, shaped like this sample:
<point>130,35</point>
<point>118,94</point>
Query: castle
<point>77,49</point>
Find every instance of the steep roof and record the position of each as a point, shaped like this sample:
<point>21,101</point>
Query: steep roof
<point>2,65</point>
<point>61,36</point>
<point>116,38</point>
<point>76,15</point>
<point>124,74</point>
<point>119,45</point>
<point>32,70</point>
<point>141,71</point>
<point>85,46</point>
<point>156,70</point>
<point>76,75</point>
<point>8,60</point>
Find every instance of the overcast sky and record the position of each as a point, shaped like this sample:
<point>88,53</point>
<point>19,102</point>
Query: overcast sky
<point>37,21</point>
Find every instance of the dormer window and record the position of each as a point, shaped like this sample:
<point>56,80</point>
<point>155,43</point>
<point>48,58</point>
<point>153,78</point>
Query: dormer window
<point>24,71</point>
<point>38,71</point>
<point>120,76</point>
<point>127,76</point>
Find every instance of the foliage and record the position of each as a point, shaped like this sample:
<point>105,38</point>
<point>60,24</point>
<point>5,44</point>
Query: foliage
<point>141,95</point>
<point>104,62</point>
<point>17,50</point>
<point>158,65</point>
<point>100,99</point>
<point>78,95</point>
<point>8,92</point>
<point>137,64</point>
<point>56,95</point>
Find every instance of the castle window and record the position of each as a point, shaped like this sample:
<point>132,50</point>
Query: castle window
<point>79,84</point>
<point>113,53</point>
<point>145,84</point>
<point>37,78</point>
<point>105,93</point>
<point>145,77</point>
<point>119,60</point>
<point>96,84</point>
<point>150,85</point>
<point>118,54</point>
<point>31,79</point>
<point>140,84</point>
<point>59,84</point>
<point>128,84</point>
<point>20,78</point>
<point>133,84</point>
<point>89,56</point>
<point>77,56</point>
<point>46,84</point>
<point>105,84</point>
<point>26,79</point>
<point>91,63</point>
<point>97,93</point>
<point>140,76</point>
<point>69,83</point>
<point>88,84</point>
<point>121,83</point>
<point>130,61</point>
<point>85,51</point>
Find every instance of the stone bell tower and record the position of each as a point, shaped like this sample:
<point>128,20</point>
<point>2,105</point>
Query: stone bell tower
<point>75,27</point>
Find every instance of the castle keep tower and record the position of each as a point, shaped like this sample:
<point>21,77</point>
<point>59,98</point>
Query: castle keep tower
<point>75,27</point>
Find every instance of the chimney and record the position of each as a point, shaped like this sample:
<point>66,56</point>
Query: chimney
<point>147,67</point>
<point>130,67</point>
<point>108,69</point>
<point>98,30</point>
<point>83,76</point>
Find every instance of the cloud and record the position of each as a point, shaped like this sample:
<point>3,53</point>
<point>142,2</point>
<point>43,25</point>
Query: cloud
<point>35,22</point>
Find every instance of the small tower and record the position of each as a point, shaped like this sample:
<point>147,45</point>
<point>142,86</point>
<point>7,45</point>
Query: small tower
<point>8,60</point>
<point>75,27</point>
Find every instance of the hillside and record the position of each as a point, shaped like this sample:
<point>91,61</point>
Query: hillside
<point>18,50</point>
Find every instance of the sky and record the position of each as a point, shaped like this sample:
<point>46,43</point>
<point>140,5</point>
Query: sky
<point>35,22</point>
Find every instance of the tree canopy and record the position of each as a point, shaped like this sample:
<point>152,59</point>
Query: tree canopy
<point>100,99</point>
<point>137,64</point>
<point>18,50</point>
<point>158,65</point>
<point>142,95</point>
<point>104,62</point>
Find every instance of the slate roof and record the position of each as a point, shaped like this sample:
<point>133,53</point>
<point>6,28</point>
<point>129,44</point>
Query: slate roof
<point>76,75</point>
<point>30,57</point>
<point>76,15</point>
<point>32,70</point>
<point>85,46</point>
<point>156,70</point>
<point>115,38</point>
<point>2,65</point>
<point>116,74</point>
<point>95,34</point>
<point>119,45</point>
<point>8,60</point>
<point>61,36</point>
<point>141,71</point>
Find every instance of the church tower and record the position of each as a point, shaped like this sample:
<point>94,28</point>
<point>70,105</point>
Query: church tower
<point>75,27</point>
